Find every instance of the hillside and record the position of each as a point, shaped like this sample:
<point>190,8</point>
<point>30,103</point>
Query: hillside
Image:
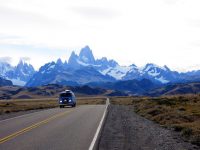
<point>51,91</point>
<point>135,87</point>
<point>174,89</point>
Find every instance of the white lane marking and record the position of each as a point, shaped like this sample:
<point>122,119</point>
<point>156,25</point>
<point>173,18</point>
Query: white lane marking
<point>25,115</point>
<point>99,127</point>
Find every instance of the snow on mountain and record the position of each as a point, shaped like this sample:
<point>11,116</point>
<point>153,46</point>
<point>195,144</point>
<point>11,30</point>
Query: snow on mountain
<point>19,74</point>
<point>5,68</point>
<point>80,69</point>
<point>104,64</point>
<point>47,68</point>
<point>17,82</point>
<point>162,80</point>
<point>154,72</point>
<point>82,63</point>
<point>24,71</point>
<point>118,72</point>
<point>112,68</point>
<point>84,68</point>
<point>55,73</point>
<point>86,59</point>
<point>133,73</point>
<point>153,68</point>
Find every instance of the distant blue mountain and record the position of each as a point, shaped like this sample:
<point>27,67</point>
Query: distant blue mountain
<point>83,68</point>
<point>60,73</point>
<point>154,73</point>
<point>86,56</point>
<point>19,74</point>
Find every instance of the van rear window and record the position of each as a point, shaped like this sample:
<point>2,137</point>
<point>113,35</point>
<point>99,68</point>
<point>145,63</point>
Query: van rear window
<point>66,95</point>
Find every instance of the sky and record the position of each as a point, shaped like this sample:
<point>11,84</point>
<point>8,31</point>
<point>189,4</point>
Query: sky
<point>164,32</point>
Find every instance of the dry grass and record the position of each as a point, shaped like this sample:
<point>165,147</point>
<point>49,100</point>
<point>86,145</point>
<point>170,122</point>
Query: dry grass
<point>182,113</point>
<point>91,101</point>
<point>9,106</point>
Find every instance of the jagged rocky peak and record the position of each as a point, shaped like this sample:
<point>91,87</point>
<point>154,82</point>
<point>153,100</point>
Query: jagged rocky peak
<point>65,63</point>
<point>151,66</point>
<point>21,64</point>
<point>133,68</point>
<point>47,66</point>
<point>59,62</point>
<point>72,57</point>
<point>24,68</point>
<point>103,59</point>
<point>113,63</point>
<point>105,62</point>
<point>86,55</point>
<point>73,60</point>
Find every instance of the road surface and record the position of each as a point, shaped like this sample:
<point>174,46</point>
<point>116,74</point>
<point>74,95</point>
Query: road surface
<point>53,129</point>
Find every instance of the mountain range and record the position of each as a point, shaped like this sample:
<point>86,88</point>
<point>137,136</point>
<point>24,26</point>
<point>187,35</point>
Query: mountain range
<point>84,69</point>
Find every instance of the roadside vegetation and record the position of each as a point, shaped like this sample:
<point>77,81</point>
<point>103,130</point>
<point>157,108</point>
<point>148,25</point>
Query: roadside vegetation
<point>180,113</point>
<point>9,106</point>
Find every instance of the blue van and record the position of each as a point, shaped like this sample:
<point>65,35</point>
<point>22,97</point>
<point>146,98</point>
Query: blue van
<point>67,98</point>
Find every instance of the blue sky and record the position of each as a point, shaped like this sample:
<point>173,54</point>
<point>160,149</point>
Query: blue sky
<point>165,32</point>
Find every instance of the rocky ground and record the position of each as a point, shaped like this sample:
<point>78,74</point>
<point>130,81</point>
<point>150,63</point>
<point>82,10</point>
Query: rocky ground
<point>125,130</point>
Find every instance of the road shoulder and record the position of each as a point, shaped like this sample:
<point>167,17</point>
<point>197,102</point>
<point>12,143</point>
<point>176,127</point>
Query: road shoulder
<point>124,129</point>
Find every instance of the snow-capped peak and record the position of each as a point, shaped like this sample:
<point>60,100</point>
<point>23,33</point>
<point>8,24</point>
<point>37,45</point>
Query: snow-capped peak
<point>118,72</point>
<point>151,66</point>
<point>19,74</point>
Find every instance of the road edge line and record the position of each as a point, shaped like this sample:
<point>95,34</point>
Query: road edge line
<point>33,126</point>
<point>99,127</point>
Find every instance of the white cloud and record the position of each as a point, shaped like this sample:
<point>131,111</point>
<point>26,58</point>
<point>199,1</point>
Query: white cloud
<point>130,31</point>
<point>6,59</point>
<point>26,59</point>
<point>95,12</point>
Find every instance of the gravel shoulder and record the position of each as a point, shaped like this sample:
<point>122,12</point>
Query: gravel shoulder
<point>124,129</point>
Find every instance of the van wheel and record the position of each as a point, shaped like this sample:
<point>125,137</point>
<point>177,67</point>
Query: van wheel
<point>61,106</point>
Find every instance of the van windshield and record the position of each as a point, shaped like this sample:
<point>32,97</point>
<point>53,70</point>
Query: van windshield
<point>65,95</point>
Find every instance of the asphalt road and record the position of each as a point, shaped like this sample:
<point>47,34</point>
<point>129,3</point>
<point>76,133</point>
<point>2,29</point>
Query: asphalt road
<point>53,129</point>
